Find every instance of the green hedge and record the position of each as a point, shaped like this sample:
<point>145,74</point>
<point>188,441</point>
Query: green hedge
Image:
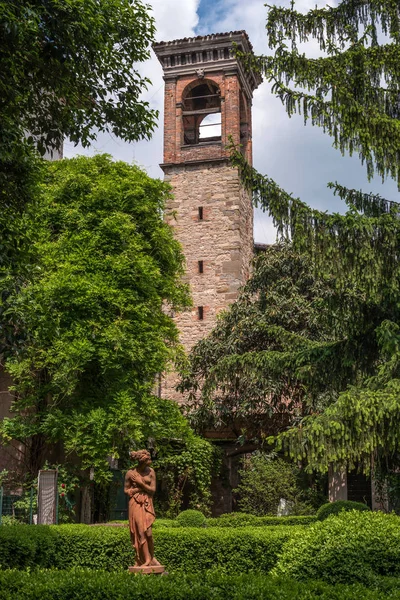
<point>170,523</point>
<point>334,508</point>
<point>108,548</point>
<point>245,520</point>
<point>89,585</point>
<point>235,520</point>
<point>230,551</point>
<point>352,546</point>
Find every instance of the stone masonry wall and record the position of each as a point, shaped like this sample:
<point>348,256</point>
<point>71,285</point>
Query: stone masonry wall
<point>223,240</point>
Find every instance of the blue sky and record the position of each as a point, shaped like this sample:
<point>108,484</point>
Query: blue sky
<point>208,8</point>
<point>300,158</point>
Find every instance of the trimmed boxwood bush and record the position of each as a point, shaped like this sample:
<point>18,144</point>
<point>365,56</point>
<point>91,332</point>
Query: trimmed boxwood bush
<point>81,585</point>
<point>191,518</point>
<point>244,520</point>
<point>352,546</point>
<point>228,550</point>
<point>334,508</point>
<point>233,520</point>
<point>108,548</point>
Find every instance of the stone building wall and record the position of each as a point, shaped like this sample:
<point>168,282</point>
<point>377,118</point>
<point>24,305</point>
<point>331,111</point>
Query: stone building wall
<point>222,240</point>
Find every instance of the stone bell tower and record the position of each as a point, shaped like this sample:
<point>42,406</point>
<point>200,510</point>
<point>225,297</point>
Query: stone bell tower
<point>208,98</point>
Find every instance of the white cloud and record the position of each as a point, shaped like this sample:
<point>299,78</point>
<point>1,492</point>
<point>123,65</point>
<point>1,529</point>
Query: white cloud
<point>175,18</point>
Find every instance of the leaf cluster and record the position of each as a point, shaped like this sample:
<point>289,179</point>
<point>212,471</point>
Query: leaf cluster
<point>69,69</point>
<point>69,66</point>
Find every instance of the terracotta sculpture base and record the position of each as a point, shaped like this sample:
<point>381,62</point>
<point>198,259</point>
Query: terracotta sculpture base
<point>156,570</point>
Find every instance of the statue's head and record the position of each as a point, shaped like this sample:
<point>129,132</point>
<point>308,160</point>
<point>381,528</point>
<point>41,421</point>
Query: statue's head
<point>141,456</point>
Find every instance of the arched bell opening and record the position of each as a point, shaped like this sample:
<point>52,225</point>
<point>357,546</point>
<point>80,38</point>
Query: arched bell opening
<point>210,128</point>
<point>202,113</point>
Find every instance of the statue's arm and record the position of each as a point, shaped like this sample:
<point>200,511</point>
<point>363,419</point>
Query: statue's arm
<point>152,485</point>
<point>128,485</point>
<point>148,488</point>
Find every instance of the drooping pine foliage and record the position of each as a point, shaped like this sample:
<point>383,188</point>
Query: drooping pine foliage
<point>352,92</point>
<point>339,390</point>
<point>362,245</point>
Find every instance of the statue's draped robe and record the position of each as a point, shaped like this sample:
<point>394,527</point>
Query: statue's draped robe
<point>141,516</point>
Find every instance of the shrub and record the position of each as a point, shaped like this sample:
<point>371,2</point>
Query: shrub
<point>162,523</point>
<point>87,585</point>
<point>183,549</point>
<point>191,518</point>
<point>231,520</point>
<point>352,546</point>
<point>264,481</point>
<point>228,550</point>
<point>334,508</point>
<point>245,520</point>
<point>64,547</point>
<point>8,520</point>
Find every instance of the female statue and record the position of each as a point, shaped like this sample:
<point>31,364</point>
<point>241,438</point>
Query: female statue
<point>140,485</point>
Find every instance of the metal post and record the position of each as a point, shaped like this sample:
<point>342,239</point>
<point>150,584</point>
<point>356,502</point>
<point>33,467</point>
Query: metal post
<point>1,502</point>
<point>31,507</point>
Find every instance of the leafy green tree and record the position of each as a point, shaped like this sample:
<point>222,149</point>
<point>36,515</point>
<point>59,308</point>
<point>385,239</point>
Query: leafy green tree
<point>286,349</point>
<point>338,389</point>
<point>264,480</point>
<point>85,333</point>
<point>85,260</point>
<point>69,69</point>
<point>251,370</point>
<point>358,253</point>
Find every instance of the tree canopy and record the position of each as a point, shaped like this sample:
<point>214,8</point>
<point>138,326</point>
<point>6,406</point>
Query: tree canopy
<point>69,69</point>
<point>352,92</point>
<point>86,262</point>
<point>285,349</point>
<point>83,330</point>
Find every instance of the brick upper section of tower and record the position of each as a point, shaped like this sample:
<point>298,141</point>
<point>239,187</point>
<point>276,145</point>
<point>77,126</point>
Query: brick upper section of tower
<point>210,59</point>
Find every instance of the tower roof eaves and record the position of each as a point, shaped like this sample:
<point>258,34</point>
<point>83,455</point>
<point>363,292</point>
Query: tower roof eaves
<point>207,38</point>
<point>170,55</point>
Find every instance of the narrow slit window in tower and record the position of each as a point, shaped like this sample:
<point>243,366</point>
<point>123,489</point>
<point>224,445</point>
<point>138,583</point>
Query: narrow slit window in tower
<point>200,311</point>
<point>200,213</point>
<point>201,266</point>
